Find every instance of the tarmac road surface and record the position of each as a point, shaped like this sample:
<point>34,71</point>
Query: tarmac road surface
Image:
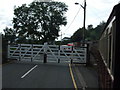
<point>36,75</point>
<point>19,74</point>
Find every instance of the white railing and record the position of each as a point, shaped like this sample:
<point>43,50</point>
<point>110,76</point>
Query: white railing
<point>55,53</point>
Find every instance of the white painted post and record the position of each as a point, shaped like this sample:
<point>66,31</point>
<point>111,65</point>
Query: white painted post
<point>8,51</point>
<point>45,47</point>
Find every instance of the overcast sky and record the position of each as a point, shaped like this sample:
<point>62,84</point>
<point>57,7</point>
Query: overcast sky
<point>96,12</point>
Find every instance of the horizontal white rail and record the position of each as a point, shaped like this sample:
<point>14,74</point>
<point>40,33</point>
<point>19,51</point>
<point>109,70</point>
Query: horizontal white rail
<point>55,52</point>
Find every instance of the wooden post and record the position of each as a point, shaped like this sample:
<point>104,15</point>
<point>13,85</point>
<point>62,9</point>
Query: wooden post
<point>72,56</point>
<point>45,52</point>
<point>88,56</point>
<point>20,52</point>
<point>59,55</point>
<point>31,52</point>
<point>45,58</point>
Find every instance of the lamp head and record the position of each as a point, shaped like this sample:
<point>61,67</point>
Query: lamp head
<point>76,3</point>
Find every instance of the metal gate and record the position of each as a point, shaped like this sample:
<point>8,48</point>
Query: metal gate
<point>55,53</point>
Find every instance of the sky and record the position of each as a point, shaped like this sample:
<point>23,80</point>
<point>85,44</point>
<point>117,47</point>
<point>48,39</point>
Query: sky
<point>96,12</point>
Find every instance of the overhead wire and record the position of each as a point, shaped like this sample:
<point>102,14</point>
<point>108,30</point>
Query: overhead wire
<point>73,19</point>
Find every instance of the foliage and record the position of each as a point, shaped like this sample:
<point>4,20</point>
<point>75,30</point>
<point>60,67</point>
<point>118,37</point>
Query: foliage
<point>91,33</point>
<point>57,42</point>
<point>39,21</point>
<point>10,35</point>
<point>65,41</point>
<point>94,33</point>
<point>77,36</point>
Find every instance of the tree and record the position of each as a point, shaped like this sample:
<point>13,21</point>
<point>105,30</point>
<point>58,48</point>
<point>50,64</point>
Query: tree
<point>90,27</point>
<point>10,35</point>
<point>65,41</point>
<point>99,29</point>
<point>94,33</point>
<point>77,36</point>
<point>90,33</point>
<point>40,20</point>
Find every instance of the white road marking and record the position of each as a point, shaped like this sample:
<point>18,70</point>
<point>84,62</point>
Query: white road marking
<point>29,71</point>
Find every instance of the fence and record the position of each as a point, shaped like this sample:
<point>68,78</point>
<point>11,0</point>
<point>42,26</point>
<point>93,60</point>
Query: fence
<point>53,53</point>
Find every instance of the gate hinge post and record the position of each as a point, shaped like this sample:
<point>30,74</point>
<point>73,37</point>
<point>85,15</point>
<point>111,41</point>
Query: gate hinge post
<point>31,52</point>
<point>71,61</point>
<point>72,55</point>
<point>59,55</point>
<point>88,56</point>
<point>45,58</point>
<point>45,52</point>
<point>19,52</point>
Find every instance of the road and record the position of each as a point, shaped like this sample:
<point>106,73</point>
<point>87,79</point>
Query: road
<point>36,75</point>
<point>45,75</point>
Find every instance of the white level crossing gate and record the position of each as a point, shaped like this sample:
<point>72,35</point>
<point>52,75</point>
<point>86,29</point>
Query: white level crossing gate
<point>55,53</point>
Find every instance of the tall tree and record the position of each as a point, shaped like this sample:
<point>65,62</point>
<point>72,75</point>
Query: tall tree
<point>40,20</point>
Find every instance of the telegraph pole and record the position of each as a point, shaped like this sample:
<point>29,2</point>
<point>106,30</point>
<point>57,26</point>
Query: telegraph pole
<point>84,21</point>
<point>84,7</point>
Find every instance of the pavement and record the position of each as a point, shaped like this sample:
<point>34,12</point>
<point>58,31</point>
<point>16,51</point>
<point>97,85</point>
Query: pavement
<point>20,74</point>
<point>87,76</point>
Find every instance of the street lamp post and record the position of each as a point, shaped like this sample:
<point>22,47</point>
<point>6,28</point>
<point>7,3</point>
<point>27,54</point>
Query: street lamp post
<point>84,7</point>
